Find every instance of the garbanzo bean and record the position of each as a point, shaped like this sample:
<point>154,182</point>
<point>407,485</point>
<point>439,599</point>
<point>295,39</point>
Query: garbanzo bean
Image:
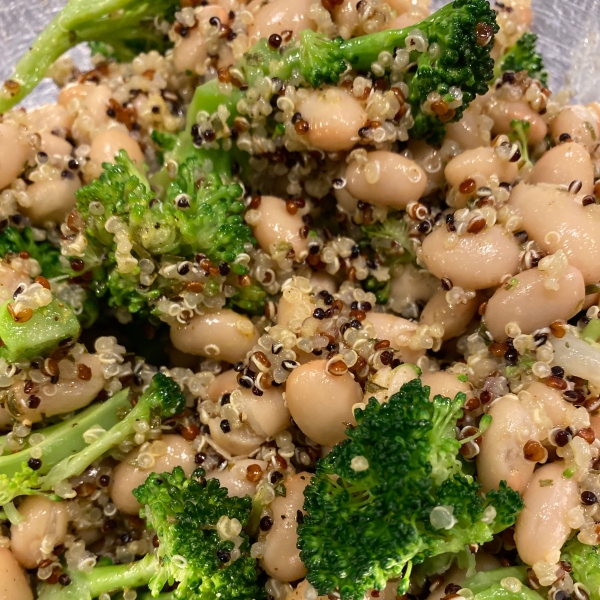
<point>281,558</point>
<point>321,403</point>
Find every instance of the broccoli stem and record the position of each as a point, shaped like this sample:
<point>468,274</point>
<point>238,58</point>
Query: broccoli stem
<point>79,21</point>
<point>591,332</point>
<point>163,398</point>
<point>66,438</point>
<point>483,580</point>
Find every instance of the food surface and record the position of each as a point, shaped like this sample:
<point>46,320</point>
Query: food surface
<point>298,301</point>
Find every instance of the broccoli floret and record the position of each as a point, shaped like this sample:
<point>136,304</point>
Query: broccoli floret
<point>393,494</point>
<point>124,28</point>
<point>14,241</point>
<point>250,299</point>
<point>463,31</point>
<point>523,56</point>
<point>189,517</point>
<point>585,562</point>
<point>389,239</point>
<point>487,585</point>
<point>61,441</point>
<point>47,327</point>
<point>198,212</point>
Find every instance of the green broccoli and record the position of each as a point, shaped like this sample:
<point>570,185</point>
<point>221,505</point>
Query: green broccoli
<point>523,56</point>
<point>250,299</point>
<point>501,584</point>
<point>463,30</point>
<point>393,494</point>
<point>188,517</point>
<point>390,239</point>
<point>19,475</point>
<point>199,211</point>
<point>585,562</point>
<point>520,136</point>
<point>122,28</point>
<point>47,327</point>
<point>162,399</point>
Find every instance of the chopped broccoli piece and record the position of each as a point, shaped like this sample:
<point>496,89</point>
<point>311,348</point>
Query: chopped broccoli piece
<point>124,28</point>
<point>585,562</point>
<point>198,212</point>
<point>186,515</point>
<point>393,494</point>
<point>48,326</point>
<point>250,299</point>
<point>523,56</point>
<point>389,239</point>
<point>520,136</point>
<point>463,31</point>
<point>485,579</point>
<point>60,441</point>
<point>162,399</point>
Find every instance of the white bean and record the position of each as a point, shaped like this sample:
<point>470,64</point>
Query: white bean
<point>51,200</point>
<point>530,305</point>
<point>11,277</point>
<point>106,146</point>
<point>479,163</point>
<point>321,403</point>
<point>445,384</point>
<point>550,404</point>
<point>334,118</point>
<point>454,319</point>
<point>580,123</point>
<point>236,442</point>
<point>557,220</point>
<point>503,113</point>
<point>68,394</point>
<point>398,332</point>
<point>128,475</point>
<point>542,526</point>
<point>390,381</point>
<point>220,334</point>
<point>501,448</point>
<point>279,16</point>
<point>49,118</point>
<point>44,526</point>
<point>281,558</point>
<point>299,592</point>
<point>563,164</point>
<point>277,226</point>
<point>233,477</point>
<point>410,285</point>
<point>468,132</point>
<point>222,384</point>
<point>386,179</point>
<point>473,261</point>
<point>13,581</point>
<point>53,145</point>
<point>267,414</point>
<point>14,151</point>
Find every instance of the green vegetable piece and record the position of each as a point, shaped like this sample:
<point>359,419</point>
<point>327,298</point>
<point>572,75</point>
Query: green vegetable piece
<point>497,592</point>
<point>523,56</point>
<point>485,579</point>
<point>585,562</point>
<point>40,335</point>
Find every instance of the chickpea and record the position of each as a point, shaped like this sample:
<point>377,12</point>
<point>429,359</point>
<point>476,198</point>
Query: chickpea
<point>281,558</point>
<point>581,123</point>
<point>233,477</point>
<point>321,403</point>
<point>531,305</point>
<point>480,164</point>
<point>235,441</point>
<point>398,332</point>
<point>14,151</point>
<point>222,384</point>
<point>279,16</point>
<point>220,334</point>
<point>190,52</point>
<point>503,113</point>
<point>71,392</point>
<point>52,200</point>
<point>501,449</point>
<point>563,164</point>
<point>277,226</point>
<point>445,384</point>
<point>454,319</point>
<point>386,179</point>
<point>542,527</point>
<point>334,118</point>
<point>473,261</point>
<point>106,146</point>
<point>169,452</point>
<point>44,526</point>
<point>557,220</point>
<point>13,581</point>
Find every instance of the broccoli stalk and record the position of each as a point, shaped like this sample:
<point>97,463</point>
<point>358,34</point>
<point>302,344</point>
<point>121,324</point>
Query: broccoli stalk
<point>585,562</point>
<point>523,56</point>
<point>60,441</point>
<point>487,585</point>
<point>520,136</point>
<point>47,327</point>
<point>188,517</point>
<point>463,30</point>
<point>65,448</point>
<point>393,494</point>
<point>126,26</point>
